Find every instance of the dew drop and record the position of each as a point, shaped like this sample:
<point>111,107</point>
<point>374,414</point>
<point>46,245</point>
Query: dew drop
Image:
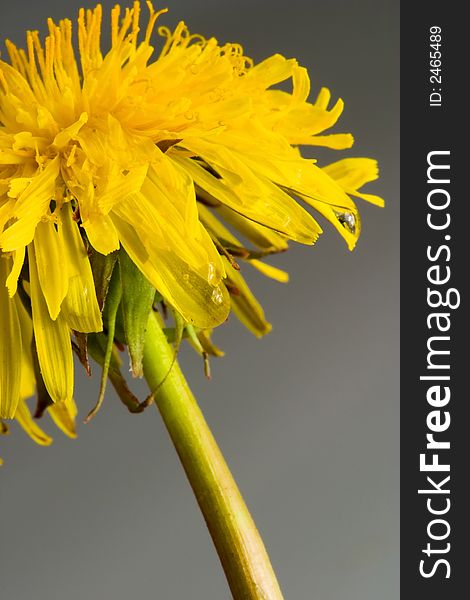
<point>211,273</point>
<point>347,220</point>
<point>217,296</point>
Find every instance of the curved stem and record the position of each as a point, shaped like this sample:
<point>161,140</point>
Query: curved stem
<point>238,543</point>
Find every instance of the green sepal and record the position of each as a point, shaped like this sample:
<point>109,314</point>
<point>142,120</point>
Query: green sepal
<point>110,311</point>
<point>97,345</point>
<point>138,297</point>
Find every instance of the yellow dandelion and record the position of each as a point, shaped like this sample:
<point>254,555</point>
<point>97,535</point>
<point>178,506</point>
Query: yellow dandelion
<point>143,177</point>
<point>149,154</point>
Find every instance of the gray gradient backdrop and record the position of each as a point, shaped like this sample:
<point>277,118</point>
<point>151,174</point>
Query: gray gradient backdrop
<point>307,417</point>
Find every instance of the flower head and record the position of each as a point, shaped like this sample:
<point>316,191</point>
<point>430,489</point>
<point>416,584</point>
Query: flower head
<point>159,152</point>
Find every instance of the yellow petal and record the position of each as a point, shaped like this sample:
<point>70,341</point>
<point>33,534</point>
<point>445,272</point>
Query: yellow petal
<point>323,98</point>
<point>273,69</point>
<point>121,185</point>
<point>30,207</point>
<point>353,173</point>
<point>12,279</point>
<point>10,348</point>
<point>337,216</point>
<point>242,162</point>
<point>300,84</point>
<point>212,224</point>
<point>28,379</point>
<point>63,414</point>
<point>244,192</point>
<point>101,233</point>
<point>52,341</point>
<point>270,271</point>
<point>174,189</point>
<point>6,211</point>
<point>258,234</point>
<point>335,141</point>
<point>297,123</point>
<point>165,215</point>
<point>24,418</point>
<point>69,133</point>
<point>301,176</point>
<point>51,266</point>
<point>200,303</point>
<point>80,307</point>
<point>16,84</point>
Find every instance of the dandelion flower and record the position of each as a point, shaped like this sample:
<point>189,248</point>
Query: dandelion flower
<point>150,149</point>
<point>148,174</point>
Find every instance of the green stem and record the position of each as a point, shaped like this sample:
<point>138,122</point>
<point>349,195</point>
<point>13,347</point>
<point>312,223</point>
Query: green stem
<point>238,543</point>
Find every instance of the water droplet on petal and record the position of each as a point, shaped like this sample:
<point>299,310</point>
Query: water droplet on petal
<point>217,296</point>
<point>347,220</point>
<point>211,274</point>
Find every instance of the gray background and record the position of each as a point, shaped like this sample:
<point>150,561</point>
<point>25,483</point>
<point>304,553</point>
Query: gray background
<point>307,417</point>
